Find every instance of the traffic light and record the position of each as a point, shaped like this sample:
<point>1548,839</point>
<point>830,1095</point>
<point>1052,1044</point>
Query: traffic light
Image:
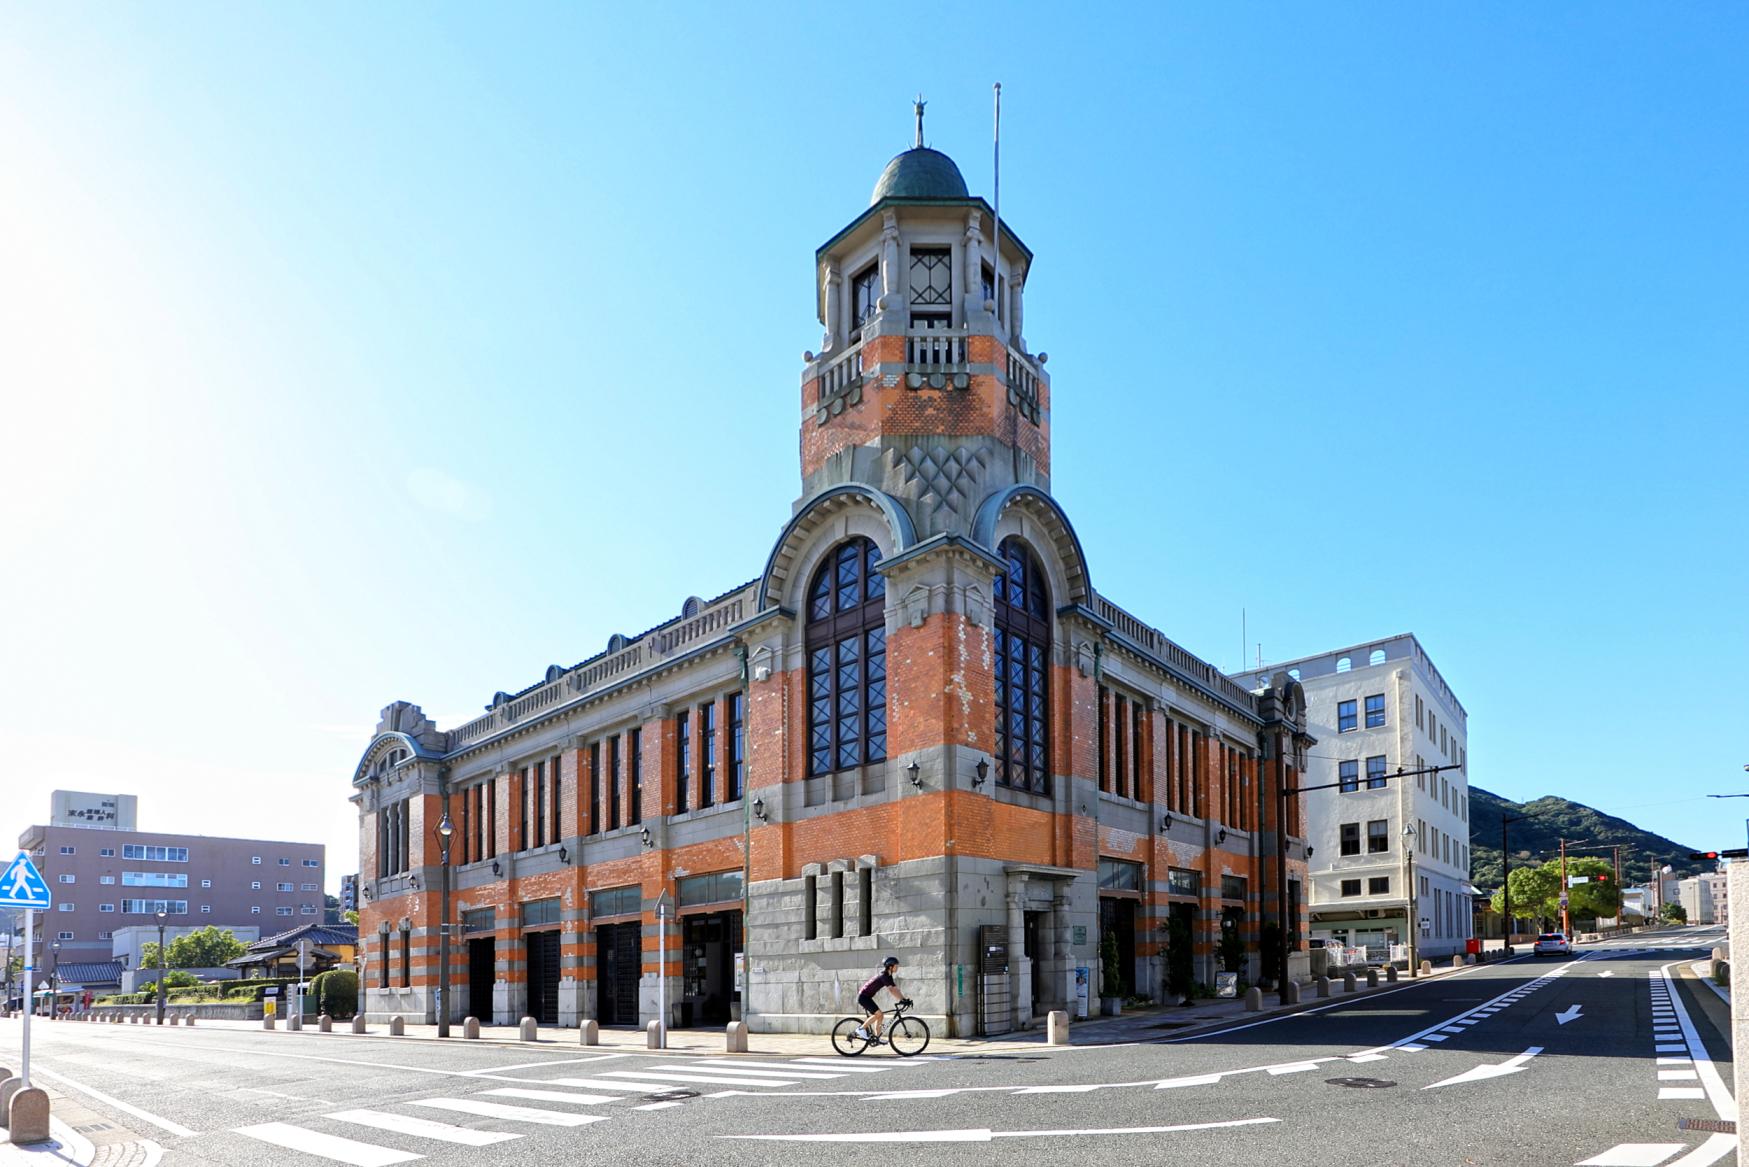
<point>1604,878</point>
<point>1739,853</point>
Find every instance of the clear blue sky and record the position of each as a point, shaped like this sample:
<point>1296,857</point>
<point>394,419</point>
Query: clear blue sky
<point>398,351</point>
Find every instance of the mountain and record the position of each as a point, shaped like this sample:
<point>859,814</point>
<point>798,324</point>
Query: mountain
<point>1547,820</point>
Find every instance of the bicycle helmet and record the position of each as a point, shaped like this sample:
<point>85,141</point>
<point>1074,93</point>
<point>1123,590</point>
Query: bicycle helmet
<point>889,962</point>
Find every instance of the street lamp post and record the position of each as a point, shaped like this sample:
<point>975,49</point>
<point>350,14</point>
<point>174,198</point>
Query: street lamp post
<point>1409,838</point>
<point>445,830</point>
<point>55,981</point>
<point>1506,880</point>
<point>163,964</point>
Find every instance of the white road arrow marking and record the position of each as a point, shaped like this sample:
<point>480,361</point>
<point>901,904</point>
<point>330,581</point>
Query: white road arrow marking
<point>1481,1073</point>
<point>1570,1013</point>
<point>1610,973</point>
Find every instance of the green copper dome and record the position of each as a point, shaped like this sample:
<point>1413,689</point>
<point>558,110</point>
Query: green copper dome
<point>920,173</point>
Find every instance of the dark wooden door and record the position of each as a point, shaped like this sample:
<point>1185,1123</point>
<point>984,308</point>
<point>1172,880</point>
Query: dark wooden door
<point>543,976</point>
<point>482,972</point>
<point>619,960</point>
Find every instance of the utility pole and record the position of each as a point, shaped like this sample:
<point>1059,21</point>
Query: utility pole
<point>445,830</point>
<point>1506,879</point>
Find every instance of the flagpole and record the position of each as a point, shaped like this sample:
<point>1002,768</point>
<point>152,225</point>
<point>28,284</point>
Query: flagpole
<point>996,257</point>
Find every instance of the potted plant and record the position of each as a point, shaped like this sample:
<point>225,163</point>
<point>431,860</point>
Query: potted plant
<point>1110,983</point>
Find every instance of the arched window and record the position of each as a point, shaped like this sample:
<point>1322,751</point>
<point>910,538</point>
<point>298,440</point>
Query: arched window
<point>1343,664</point>
<point>1023,656</point>
<point>1376,657</point>
<point>847,660</point>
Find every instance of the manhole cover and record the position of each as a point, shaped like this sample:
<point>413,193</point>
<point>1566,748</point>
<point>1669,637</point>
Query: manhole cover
<point>1361,1083</point>
<point>1717,1126</point>
<point>671,1096</point>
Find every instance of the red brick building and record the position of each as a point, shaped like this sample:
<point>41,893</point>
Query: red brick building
<point>920,730</point>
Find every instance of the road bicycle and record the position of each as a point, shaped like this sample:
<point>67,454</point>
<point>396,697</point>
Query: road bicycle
<point>909,1036</point>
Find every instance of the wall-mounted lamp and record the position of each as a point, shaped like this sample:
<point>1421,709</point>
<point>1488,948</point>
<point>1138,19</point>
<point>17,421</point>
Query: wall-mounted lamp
<point>645,836</point>
<point>497,868</point>
<point>915,773</point>
<point>364,891</point>
<point>1221,835</point>
<point>413,882</point>
<point>980,772</point>
<point>759,809</point>
<point>1166,823</point>
<point>1309,850</point>
<point>564,855</point>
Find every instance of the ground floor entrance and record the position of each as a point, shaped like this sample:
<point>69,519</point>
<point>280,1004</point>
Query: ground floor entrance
<point>1034,932</point>
<point>482,975</point>
<point>543,976</point>
<point>619,962</point>
<point>710,992</point>
<point>1117,938</point>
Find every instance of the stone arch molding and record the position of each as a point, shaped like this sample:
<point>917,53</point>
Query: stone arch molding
<point>1030,512</point>
<point>851,508</point>
<point>380,743</point>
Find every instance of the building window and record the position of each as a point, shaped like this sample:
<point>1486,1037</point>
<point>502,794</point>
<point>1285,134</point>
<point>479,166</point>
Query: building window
<point>206,909</point>
<point>156,854</point>
<point>846,639</point>
<point>1345,716</point>
<point>634,764</point>
<point>255,911</point>
<point>1378,838</point>
<point>865,295</point>
<point>1350,887</point>
<point>69,850</point>
<point>65,878</point>
<point>312,863</point>
<point>1349,774</point>
<point>282,911</point>
<point>865,901</point>
<point>1375,710</point>
<point>106,907</point>
<point>283,887</point>
<point>594,788</point>
<point>108,879</point>
<point>206,883</point>
<point>810,907</point>
<point>106,935</point>
<point>683,762</point>
<point>284,862</point>
<point>1350,838</point>
<point>1183,881</point>
<point>1375,772</point>
<point>1378,885</point>
<point>556,831</point>
<point>154,879</point>
<point>1119,875</point>
<point>255,859</point>
<point>1101,762</point>
<point>613,795</point>
<point>63,936</point>
<point>406,959</point>
<point>307,910</point>
<point>707,754</point>
<point>931,286</point>
<point>737,747</point>
<point>64,906</point>
<point>306,887</point>
<point>153,907</point>
<point>1023,643</point>
<point>1343,664</point>
<point>106,852</point>
<point>539,795</point>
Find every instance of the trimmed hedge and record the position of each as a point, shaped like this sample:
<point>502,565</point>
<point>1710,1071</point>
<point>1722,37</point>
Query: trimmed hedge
<point>336,992</point>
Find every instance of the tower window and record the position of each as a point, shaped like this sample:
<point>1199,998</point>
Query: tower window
<point>931,286</point>
<point>865,295</point>
<point>847,660</point>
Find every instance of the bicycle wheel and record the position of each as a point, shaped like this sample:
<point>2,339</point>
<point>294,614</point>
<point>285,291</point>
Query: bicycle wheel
<point>909,1036</point>
<point>845,1039</point>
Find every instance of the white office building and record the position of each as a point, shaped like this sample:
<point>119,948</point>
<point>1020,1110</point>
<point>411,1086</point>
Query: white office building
<point>1703,897</point>
<point>1375,708</point>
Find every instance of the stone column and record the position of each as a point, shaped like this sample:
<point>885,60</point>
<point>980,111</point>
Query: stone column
<point>1737,907</point>
<point>892,291</point>
<point>971,298</point>
<point>1061,971</point>
<point>1015,287</point>
<point>834,309</point>
<point>1019,967</point>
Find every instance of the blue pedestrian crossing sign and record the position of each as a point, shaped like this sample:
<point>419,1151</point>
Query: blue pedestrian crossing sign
<point>22,886</point>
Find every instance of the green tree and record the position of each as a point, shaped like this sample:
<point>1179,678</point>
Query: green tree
<point>1674,913</point>
<point>350,915</point>
<point>209,947</point>
<point>1535,892</point>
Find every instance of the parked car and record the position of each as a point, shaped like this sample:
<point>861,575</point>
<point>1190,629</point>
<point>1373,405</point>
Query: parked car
<point>1552,944</point>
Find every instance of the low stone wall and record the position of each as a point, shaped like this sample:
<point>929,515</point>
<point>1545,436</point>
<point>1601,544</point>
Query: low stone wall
<point>243,1011</point>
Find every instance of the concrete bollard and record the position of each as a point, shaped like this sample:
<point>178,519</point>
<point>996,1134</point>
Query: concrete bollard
<point>188,1020</point>
<point>1290,992</point>
<point>358,1023</point>
<point>1057,1027</point>
<point>471,1028</point>
<point>1372,978</point>
<point>8,1088</point>
<point>295,1023</point>
<point>589,1032</point>
<point>324,1023</point>
<point>174,1018</point>
<point>1457,961</point>
<point>654,1037</point>
<point>1253,999</point>
<point>735,1037</point>
<point>267,1023</point>
<point>530,1030</point>
<point>1323,985</point>
<point>1427,968</point>
<point>1348,983</point>
<point>397,1026</point>
<point>1720,954</point>
<point>1391,974</point>
<point>4,1073</point>
<point>27,1116</point>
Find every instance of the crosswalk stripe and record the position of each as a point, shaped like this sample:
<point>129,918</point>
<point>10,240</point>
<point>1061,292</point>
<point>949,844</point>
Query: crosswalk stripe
<point>500,1110</point>
<point>714,1079</point>
<point>297,1138</point>
<point>1680,1092</point>
<point>846,1066</point>
<point>732,1064</point>
<point>690,1068</point>
<point>862,1066</point>
<point>403,1124</point>
<point>552,1095</point>
<point>598,1084</point>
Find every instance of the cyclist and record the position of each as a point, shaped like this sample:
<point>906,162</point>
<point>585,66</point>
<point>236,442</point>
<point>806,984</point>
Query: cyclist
<point>870,1030</point>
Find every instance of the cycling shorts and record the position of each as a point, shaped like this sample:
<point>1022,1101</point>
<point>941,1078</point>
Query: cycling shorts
<point>868,1004</point>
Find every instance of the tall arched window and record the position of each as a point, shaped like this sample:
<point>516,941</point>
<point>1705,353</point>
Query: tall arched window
<point>1023,657</point>
<point>847,660</point>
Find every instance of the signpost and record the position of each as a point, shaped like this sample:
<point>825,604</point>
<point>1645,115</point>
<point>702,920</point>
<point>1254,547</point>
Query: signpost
<point>22,886</point>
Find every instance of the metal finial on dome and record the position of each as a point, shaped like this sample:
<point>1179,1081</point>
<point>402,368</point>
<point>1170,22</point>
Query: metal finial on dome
<point>918,106</point>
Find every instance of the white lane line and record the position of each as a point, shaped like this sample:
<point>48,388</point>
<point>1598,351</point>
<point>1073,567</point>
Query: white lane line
<point>606,1084</point>
<point>351,1151</point>
<point>1053,1090</point>
<point>424,1128</point>
<point>1669,1049</point>
<point>675,1075</point>
<point>1293,1068</point>
<point>1668,1093</point>
<point>1195,1080</point>
<point>500,1110</point>
<point>1709,1152</point>
<point>1676,1061</point>
<point>985,1135</point>
<point>550,1096</point>
<point>1368,1058</point>
<point>174,1128</point>
<point>1634,1155</point>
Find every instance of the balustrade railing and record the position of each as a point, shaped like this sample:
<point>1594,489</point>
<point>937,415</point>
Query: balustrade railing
<point>1162,646</point>
<point>844,373</point>
<point>936,348</point>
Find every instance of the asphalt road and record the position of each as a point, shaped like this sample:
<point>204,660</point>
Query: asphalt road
<point>1526,1062</point>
